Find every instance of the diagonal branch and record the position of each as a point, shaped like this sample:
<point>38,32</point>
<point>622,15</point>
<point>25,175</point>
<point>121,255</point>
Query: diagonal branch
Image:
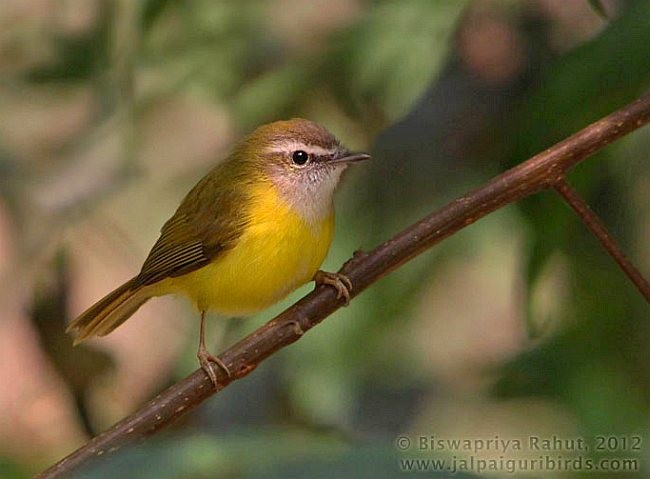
<point>542,171</point>
<point>597,228</point>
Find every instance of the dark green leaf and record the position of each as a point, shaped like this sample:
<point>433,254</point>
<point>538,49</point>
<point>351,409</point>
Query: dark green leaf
<point>598,7</point>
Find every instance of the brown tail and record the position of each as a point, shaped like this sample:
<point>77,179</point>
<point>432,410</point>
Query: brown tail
<point>109,312</point>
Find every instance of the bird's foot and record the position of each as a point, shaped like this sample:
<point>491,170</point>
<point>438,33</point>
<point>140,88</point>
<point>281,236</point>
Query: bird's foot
<point>339,281</point>
<point>206,360</point>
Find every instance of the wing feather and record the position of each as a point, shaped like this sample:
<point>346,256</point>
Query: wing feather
<point>209,221</point>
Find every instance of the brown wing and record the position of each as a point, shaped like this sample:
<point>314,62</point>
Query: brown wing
<point>209,221</point>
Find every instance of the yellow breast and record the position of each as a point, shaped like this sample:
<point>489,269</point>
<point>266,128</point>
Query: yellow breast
<point>278,252</point>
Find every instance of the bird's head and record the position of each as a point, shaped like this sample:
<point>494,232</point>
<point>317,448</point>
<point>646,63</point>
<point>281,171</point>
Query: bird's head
<point>303,160</point>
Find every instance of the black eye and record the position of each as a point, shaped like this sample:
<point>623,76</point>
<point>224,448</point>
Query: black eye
<point>300,157</point>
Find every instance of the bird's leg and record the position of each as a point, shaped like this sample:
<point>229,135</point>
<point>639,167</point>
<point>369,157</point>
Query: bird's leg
<point>206,358</point>
<point>339,281</point>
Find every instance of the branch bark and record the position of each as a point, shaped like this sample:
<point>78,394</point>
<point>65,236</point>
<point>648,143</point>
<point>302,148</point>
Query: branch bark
<point>597,228</point>
<point>543,171</point>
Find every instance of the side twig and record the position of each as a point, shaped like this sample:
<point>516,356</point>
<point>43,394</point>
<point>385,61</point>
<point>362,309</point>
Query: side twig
<point>596,226</point>
<point>543,171</point>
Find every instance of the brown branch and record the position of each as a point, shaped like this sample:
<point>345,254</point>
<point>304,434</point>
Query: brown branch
<point>541,172</point>
<point>596,226</point>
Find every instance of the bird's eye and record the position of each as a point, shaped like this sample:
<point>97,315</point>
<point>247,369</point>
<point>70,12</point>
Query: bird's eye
<point>300,157</point>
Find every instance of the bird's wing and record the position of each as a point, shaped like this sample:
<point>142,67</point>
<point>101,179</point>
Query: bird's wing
<point>208,222</point>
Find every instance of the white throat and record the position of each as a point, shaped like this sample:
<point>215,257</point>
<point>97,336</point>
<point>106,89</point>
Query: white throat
<point>311,199</point>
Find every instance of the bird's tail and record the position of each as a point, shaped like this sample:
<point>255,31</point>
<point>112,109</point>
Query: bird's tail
<point>109,312</point>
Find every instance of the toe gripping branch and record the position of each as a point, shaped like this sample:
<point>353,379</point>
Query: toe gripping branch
<point>338,281</point>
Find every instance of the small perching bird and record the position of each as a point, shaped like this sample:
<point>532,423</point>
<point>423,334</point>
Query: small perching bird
<point>255,228</point>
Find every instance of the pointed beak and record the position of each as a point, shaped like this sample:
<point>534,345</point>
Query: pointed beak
<point>351,158</point>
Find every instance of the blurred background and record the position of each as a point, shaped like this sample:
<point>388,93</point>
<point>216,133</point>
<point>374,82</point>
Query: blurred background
<point>110,110</point>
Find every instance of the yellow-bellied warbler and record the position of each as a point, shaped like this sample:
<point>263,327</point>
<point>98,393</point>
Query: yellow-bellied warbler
<point>255,228</point>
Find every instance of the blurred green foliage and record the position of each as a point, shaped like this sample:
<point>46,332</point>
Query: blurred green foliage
<point>595,366</point>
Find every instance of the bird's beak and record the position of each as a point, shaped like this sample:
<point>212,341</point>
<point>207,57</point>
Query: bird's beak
<point>351,158</point>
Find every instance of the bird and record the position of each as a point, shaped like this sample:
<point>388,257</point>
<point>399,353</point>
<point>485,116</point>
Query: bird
<point>253,229</point>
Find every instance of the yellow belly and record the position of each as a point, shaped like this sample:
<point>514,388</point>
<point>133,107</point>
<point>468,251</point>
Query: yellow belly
<point>277,253</point>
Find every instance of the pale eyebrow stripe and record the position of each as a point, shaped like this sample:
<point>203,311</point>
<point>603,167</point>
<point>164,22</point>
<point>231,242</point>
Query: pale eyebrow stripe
<point>288,146</point>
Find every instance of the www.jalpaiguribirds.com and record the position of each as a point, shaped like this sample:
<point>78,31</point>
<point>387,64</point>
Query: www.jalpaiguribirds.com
<point>533,453</point>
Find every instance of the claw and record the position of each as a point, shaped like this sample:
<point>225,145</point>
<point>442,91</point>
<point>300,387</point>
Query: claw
<point>347,282</point>
<point>206,360</point>
<point>339,281</point>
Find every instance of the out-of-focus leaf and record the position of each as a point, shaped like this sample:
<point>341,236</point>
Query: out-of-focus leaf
<point>209,49</point>
<point>598,7</point>
<point>230,455</point>
<point>10,470</point>
<point>586,84</point>
<point>271,96</point>
<point>395,52</point>
<point>152,10</point>
<point>271,453</point>
<point>80,57</point>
